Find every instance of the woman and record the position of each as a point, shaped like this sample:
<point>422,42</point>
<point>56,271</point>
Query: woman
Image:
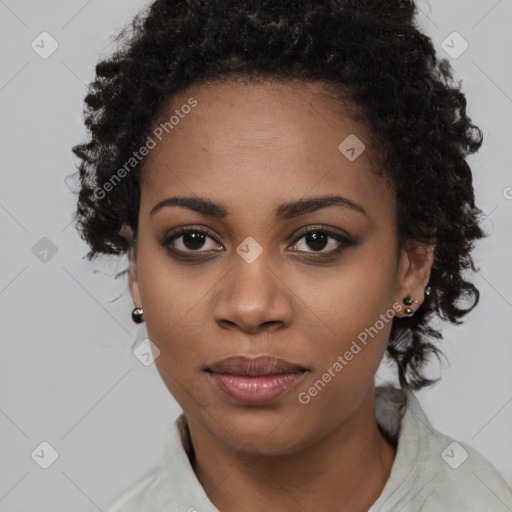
<point>290,183</point>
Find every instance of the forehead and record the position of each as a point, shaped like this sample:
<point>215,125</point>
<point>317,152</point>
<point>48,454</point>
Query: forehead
<point>265,141</point>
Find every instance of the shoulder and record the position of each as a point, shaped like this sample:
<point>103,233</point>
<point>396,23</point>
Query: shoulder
<point>433,472</point>
<point>139,495</point>
<point>171,485</point>
<point>458,477</point>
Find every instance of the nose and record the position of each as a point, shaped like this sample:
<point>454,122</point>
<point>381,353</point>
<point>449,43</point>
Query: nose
<point>253,297</point>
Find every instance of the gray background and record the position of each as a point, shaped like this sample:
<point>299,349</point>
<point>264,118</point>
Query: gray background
<point>67,375</point>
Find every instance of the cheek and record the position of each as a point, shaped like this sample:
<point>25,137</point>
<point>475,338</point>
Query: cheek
<point>354,309</point>
<point>162,286</point>
<point>355,296</point>
<point>177,310</point>
<point>359,318</point>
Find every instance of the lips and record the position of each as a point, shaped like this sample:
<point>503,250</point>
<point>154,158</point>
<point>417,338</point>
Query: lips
<point>257,366</point>
<point>254,381</point>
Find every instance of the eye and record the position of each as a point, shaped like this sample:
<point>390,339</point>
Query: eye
<point>194,242</point>
<point>322,241</point>
<point>190,240</point>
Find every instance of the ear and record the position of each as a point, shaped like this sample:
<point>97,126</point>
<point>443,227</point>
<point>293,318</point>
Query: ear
<point>414,267</point>
<point>133,281</point>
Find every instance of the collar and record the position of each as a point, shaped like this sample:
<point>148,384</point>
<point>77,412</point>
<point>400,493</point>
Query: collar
<point>398,413</point>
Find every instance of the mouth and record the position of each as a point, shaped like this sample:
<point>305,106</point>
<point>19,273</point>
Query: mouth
<point>254,381</point>
<point>255,367</point>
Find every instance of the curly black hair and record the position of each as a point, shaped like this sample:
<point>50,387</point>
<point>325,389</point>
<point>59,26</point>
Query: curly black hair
<point>372,49</point>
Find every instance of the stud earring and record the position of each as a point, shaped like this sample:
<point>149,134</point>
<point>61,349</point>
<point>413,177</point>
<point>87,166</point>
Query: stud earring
<point>137,315</point>
<point>428,289</point>
<point>408,301</point>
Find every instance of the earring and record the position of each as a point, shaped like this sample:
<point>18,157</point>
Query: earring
<point>428,289</point>
<point>137,315</point>
<point>408,301</point>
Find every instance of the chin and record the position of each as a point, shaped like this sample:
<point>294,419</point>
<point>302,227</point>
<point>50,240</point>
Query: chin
<point>263,430</point>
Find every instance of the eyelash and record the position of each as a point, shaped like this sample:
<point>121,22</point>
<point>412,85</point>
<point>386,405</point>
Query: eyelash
<point>343,240</point>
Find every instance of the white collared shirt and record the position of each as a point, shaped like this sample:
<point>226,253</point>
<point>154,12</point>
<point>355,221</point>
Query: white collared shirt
<point>431,472</point>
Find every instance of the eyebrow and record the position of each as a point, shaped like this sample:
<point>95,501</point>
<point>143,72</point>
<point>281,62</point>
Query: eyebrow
<point>282,212</point>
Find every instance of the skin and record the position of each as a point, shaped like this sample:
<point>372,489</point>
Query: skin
<point>251,147</point>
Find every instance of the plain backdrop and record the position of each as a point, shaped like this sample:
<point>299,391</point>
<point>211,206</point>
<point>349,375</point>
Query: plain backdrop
<point>67,374</point>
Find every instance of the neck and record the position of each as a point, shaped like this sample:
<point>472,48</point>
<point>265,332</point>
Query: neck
<point>345,470</point>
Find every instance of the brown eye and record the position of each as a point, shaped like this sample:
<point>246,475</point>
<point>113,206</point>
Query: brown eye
<point>320,239</point>
<point>316,240</point>
<point>190,240</point>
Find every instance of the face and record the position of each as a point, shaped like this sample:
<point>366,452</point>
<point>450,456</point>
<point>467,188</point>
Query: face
<point>263,270</point>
